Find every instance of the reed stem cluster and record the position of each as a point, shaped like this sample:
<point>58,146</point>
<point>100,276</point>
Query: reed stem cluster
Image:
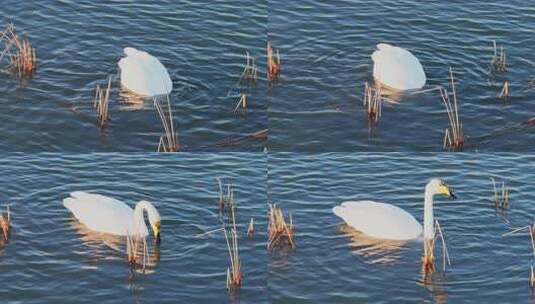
<point>100,103</point>
<point>21,55</point>
<point>278,229</point>
<point>453,135</point>
<point>169,140</point>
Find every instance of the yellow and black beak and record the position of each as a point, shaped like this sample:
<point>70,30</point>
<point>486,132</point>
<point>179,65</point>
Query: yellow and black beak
<point>156,230</point>
<point>447,191</point>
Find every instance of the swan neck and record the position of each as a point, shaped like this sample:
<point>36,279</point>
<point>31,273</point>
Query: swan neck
<point>429,232</point>
<point>139,217</point>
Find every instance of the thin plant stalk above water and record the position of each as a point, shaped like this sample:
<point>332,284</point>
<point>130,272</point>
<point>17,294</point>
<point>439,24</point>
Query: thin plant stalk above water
<point>531,231</point>
<point>373,101</point>
<point>242,103</point>
<point>498,62</point>
<point>453,135</point>
<point>100,103</point>
<point>504,94</point>
<point>234,274</point>
<point>428,259</point>
<point>278,229</point>
<point>226,200</point>
<point>273,63</point>
<point>501,198</point>
<point>22,56</point>
<point>250,71</point>
<point>250,228</point>
<point>169,140</point>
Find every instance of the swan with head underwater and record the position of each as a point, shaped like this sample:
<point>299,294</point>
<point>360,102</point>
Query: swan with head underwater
<point>107,215</point>
<point>389,222</point>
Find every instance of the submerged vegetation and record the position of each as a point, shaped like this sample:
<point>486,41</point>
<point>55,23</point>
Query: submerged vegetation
<point>19,51</point>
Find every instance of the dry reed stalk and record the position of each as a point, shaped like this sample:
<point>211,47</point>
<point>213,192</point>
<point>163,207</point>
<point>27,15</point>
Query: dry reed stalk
<point>21,54</point>
<point>250,229</point>
<point>373,101</point>
<point>445,252</point>
<point>100,103</point>
<point>273,63</point>
<point>234,274</point>
<point>250,72</point>
<point>532,276</point>
<point>501,198</point>
<point>169,140</point>
<point>453,135</point>
<point>132,250</point>
<point>498,62</point>
<point>278,229</point>
<point>225,199</point>
<point>5,223</point>
<point>531,231</point>
<point>428,260</point>
<point>504,94</point>
<point>242,103</point>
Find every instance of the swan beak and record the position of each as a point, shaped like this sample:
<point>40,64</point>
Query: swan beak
<point>447,191</point>
<point>156,230</point>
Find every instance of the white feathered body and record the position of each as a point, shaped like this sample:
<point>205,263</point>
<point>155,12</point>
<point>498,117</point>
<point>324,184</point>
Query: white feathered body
<point>105,214</point>
<point>379,220</point>
<point>397,68</point>
<point>144,74</point>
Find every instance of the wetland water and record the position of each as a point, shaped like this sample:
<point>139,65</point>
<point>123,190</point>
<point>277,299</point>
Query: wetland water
<point>78,43</point>
<point>50,260</point>
<point>326,49</point>
<point>332,264</point>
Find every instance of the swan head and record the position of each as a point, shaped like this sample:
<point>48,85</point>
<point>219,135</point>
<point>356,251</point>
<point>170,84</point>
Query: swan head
<point>437,186</point>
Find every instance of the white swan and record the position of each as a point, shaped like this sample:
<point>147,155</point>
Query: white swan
<point>144,74</point>
<point>397,68</point>
<point>108,215</point>
<point>385,221</point>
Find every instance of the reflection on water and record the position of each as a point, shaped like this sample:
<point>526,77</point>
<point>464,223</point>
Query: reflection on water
<point>129,101</point>
<point>436,284</point>
<point>94,240</point>
<point>375,251</point>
